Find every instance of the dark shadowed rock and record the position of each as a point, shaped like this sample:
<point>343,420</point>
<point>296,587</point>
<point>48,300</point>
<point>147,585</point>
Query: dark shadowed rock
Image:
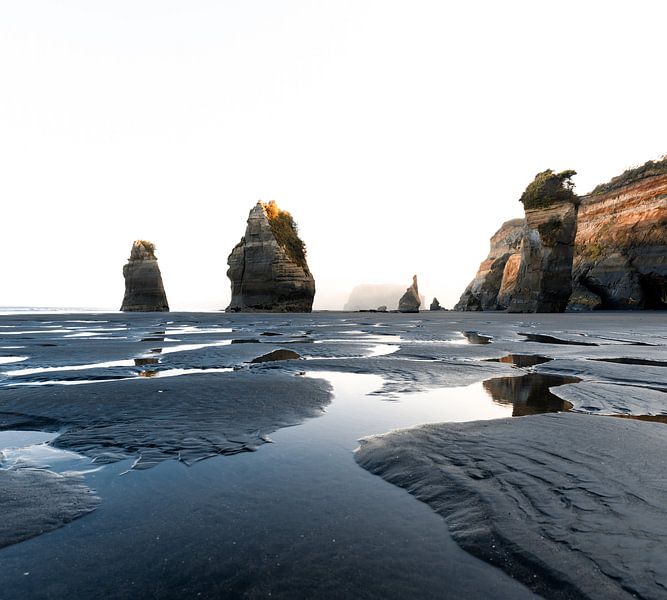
<point>435,305</point>
<point>410,301</point>
<point>268,268</point>
<point>494,283</point>
<point>144,291</point>
<point>544,279</point>
<point>280,354</point>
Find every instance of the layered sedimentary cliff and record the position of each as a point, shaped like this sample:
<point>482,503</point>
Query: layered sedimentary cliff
<point>621,245</point>
<point>144,291</point>
<point>619,255</point>
<point>492,287</point>
<point>268,268</point>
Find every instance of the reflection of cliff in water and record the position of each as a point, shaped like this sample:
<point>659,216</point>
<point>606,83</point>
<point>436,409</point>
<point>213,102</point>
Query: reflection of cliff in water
<point>529,394</point>
<point>522,360</point>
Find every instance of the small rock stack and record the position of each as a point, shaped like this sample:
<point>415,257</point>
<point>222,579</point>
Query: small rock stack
<point>410,301</point>
<point>144,291</point>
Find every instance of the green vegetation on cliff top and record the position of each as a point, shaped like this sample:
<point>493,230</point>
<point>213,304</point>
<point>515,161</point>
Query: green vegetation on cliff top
<point>648,169</point>
<point>286,232</point>
<point>549,188</point>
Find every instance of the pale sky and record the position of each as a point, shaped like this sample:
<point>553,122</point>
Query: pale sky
<point>400,135</point>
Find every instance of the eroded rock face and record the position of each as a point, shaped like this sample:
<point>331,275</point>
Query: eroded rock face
<point>492,287</point>
<point>144,291</point>
<point>268,268</point>
<point>544,277</point>
<point>435,305</point>
<point>410,301</point>
<point>621,247</point>
<point>619,254</point>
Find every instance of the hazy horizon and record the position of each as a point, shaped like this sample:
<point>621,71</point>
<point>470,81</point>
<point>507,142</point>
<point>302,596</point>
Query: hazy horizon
<point>399,138</point>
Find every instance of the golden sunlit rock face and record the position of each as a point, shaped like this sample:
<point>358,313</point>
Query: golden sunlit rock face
<point>494,283</point>
<point>286,233</point>
<point>621,247</point>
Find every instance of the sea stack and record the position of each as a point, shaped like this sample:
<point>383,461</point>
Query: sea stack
<point>144,291</point>
<point>435,305</point>
<point>268,268</point>
<point>544,279</point>
<point>410,301</point>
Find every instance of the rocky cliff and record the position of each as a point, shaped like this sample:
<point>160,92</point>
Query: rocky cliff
<point>143,281</point>
<point>268,268</point>
<point>621,244</point>
<point>492,287</point>
<point>619,252</point>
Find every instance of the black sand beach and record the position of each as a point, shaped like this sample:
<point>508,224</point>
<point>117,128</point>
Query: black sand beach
<point>209,474</point>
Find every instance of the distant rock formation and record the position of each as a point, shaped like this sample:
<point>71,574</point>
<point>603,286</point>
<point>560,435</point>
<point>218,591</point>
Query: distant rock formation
<point>410,301</point>
<point>382,308</point>
<point>144,291</point>
<point>435,305</point>
<point>621,244</point>
<point>268,268</point>
<point>619,252</point>
<point>492,287</point>
<point>371,295</point>
<point>544,278</point>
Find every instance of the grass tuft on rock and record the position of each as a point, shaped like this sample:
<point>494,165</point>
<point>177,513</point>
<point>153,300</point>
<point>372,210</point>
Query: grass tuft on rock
<point>549,188</point>
<point>648,169</point>
<point>286,232</point>
<point>142,249</point>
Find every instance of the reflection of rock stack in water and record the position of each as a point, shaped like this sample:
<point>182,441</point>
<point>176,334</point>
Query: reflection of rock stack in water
<point>268,268</point>
<point>410,301</point>
<point>530,393</point>
<point>143,281</point>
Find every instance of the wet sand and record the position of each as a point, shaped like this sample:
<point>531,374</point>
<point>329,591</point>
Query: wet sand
<point>218,474</point>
